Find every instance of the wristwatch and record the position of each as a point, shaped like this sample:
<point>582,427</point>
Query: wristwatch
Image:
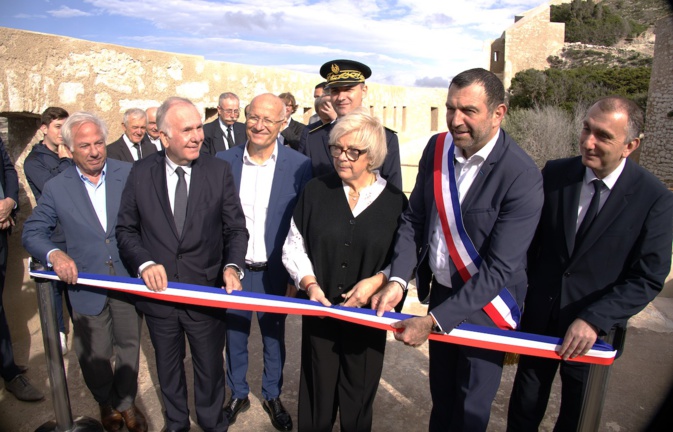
<point>235,267</point>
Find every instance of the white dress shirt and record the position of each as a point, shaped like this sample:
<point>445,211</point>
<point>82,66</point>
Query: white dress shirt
<point>131,147</point>
<point>587,191</point>
<point>255,192</point>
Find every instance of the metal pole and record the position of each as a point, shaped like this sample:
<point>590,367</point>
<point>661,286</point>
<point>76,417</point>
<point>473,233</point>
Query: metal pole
<point>55,368</point>
<point>594,394</point>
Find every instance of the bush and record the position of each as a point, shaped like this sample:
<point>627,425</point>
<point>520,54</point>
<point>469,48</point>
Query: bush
<point>545,133</point>
<point>592,23</point>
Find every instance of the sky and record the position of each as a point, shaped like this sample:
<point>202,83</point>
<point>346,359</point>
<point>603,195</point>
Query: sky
<point>405,42</point>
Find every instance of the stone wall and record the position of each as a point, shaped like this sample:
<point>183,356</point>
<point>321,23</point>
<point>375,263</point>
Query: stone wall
<point>39,70</point>
<point>527,43</point>
<point>657,147</point>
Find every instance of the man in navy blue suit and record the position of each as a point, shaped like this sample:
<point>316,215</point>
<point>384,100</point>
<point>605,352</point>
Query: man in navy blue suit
<point>478,170</point>
<point>269,178</point>
<point>601,253</point>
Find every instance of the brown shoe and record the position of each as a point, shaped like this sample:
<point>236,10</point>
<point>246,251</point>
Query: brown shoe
<point>135,419</point>
<point>111,418</point>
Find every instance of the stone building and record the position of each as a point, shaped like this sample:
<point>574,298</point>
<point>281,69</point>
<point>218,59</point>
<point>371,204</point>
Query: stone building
<point>526,44</point>
<point>39,70</point>
<point>657,148</point>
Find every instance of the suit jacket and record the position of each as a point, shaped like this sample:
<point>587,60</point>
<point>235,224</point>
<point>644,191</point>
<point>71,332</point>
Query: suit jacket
<point>292,133</point>
<point>213,137</point>
<point>8,178</point>
<point>314,143</point>
<point>120,151</point>
<point>65,201</point>
<point>621,264</point>
<point>292,172</point>
<point>500,213</point>
<point>214,235</point>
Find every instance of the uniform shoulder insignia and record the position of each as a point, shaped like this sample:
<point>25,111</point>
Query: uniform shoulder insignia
<point>318,128</point>
<point>388,129</point>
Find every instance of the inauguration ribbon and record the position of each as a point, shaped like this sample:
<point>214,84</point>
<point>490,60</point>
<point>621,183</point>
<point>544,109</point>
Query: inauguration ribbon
<point>465,334</point>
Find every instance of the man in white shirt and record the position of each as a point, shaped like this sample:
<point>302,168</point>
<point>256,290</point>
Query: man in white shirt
<point>152,129</point>
<point>269,178</point>
<point>225,132</point>
<point>131,146</point>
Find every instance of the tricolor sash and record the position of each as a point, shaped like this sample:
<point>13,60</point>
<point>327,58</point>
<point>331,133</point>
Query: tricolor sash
<point>465,334</point>
<point>503,309</point>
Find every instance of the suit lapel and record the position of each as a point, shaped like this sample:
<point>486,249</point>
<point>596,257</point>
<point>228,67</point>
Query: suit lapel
<point>485,170</point>
<point>158,171</point>
<point>278,188</point>
<point>127,152</point>
<point>80,198</point>
<point>197,184</point>
<point>570,203</point>
<point>113,189</point>
<point>614,205</point>
<point>237,168</point>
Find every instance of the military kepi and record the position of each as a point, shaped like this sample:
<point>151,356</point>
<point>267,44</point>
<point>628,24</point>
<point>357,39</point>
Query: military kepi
<point>340,73</point>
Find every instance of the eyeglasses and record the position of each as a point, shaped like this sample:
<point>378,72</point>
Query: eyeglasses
<point>267,122</point>
<point>352,154</point>
<point>230,111</point>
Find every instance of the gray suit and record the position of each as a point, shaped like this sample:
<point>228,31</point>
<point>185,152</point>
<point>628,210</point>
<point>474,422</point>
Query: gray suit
<point>101,318</point>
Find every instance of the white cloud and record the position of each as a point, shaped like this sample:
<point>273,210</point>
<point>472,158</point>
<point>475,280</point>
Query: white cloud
<point>28,16</point>
<point>66,12</point>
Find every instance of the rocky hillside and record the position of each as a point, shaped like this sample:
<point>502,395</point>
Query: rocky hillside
<point>631,51</point>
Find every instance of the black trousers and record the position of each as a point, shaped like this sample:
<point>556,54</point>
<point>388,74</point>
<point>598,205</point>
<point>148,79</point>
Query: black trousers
<point>341,366</point>
<point>8,368</point>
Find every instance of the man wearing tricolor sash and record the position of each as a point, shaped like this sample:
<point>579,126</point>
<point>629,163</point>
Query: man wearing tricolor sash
<point>471,217</point>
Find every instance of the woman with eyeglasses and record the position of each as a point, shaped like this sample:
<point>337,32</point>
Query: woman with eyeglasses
<point>339,245</point>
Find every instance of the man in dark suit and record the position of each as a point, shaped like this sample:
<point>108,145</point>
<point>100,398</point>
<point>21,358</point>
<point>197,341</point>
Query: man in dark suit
<point>498,190</point>
<point>181,221</point>
<point>601,253</point>
<point>268,177</point>
<point>133,145</point>
<point>293,129</point>
<point>84,200</point>
<point>13,375</point>
<point>346,84</point>
<point>152,135</point>
<point>225,132</point>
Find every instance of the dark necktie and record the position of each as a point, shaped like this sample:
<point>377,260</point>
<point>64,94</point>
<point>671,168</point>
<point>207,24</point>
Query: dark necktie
<point>180,202</point>
<point>137,147</point>
<point>592,211</point>
<point>230,137</point>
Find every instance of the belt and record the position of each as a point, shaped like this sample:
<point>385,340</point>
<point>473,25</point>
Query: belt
<point>256,267</point>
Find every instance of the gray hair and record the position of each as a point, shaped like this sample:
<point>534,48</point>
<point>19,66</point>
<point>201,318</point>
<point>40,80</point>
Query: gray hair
<point>133,113</point>
<point>167,105</point>
<point>368,134</point>
<point>75,121</point>
<point>227,95</point>
<point>636,120</point>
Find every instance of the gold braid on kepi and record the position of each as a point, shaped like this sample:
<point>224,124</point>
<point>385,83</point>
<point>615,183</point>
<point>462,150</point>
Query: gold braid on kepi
<point>339,73</point>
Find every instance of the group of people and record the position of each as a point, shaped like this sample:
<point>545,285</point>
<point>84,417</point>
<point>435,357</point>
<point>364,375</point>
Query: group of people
<point>317,212</point>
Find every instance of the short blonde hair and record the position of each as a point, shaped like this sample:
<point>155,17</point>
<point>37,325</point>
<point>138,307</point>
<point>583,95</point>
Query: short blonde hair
<point>368,134</point>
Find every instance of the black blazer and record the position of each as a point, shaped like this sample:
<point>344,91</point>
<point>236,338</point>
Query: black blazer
<point>214,236</point>
<point>620,266</point>
<point>213,138</point>
<point>8,177</point>
<point>292,133</point>
<point>120,151</point>
<point>314,143</point>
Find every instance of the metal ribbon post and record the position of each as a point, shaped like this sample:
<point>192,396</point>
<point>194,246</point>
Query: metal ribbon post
<point>594,393</point>
<point>55,368</point>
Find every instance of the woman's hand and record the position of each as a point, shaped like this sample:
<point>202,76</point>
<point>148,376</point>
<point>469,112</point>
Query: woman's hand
<point>363,291</point>
<point>315,293</point>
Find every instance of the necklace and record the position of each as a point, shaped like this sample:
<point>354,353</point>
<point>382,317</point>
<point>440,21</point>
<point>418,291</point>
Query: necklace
<point>355,195</point>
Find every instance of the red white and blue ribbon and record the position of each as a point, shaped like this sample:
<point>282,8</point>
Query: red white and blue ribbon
<point>465,334</point>
<point>503,309</point>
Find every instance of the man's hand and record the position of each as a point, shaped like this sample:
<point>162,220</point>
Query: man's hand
<point>154,276</point>
<point>64,152</point>
<point>64,266</point>
<point>9,222</point>
<point>231,280</point>
<point>6,207</point>
<point>387,298</point>
<point>415,330</point>
<point>291,291</point>
<point>315,293</point>
<point>362,292</point>
<point>579,339</point>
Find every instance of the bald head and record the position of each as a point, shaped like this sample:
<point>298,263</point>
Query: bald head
<point>265,120</point>
<point>152,129</point>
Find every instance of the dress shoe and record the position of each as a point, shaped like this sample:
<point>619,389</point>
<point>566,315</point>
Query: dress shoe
<point>134,419</point>
<point>280,418</point>
<point>234,407</point>
<point>23,390</point>
<point>111,418</point>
